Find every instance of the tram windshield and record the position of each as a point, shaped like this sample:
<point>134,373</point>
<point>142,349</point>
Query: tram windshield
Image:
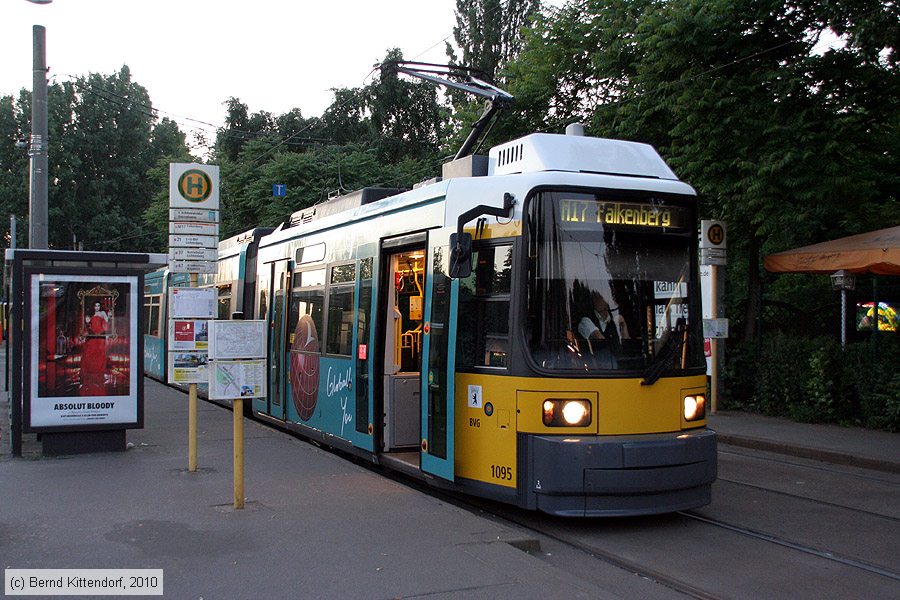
<point>610,285</point>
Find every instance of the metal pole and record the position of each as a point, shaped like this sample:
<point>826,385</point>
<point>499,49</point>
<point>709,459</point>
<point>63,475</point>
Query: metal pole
<point>714,342</point>
<point>37,221</point>
<point>7,296</point>
<point>237,421</point>
<point>843,318</point>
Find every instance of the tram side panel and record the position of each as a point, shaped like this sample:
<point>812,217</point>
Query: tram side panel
<point>326,312</point>
<point>154,324</point>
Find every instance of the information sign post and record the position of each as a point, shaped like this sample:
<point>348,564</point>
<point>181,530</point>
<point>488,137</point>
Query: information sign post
<point>193,239</point>
<point>237,353</point>
<point>712,252</point>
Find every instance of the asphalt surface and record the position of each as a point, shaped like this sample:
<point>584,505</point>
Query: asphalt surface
<point>315,525</point>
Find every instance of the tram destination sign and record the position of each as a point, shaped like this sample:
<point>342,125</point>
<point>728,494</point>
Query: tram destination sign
<point>578,212</point>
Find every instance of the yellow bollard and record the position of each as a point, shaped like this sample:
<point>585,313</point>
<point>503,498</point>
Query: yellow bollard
<point>238,423</point>
<point>192,414</point>
<point>192,427</point>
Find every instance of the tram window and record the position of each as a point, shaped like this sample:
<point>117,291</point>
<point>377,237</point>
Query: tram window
<point>362,339</point>
<point>343,273</point>
<point>483,336</point>
<point>312,278</point>
<point>311,254</point>
<point>306,302</point>
<point>340,310</point>
<point>262,309</point>
<point>151,315</point>
<point>340,320</point>
<point>224,309</point>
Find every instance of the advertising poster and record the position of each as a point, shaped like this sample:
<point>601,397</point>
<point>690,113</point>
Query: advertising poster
<point>188,367</point>
<point>188,334</point>
<point>83,350</point>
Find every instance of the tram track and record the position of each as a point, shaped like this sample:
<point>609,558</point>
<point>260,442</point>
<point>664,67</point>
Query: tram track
<point>526,522</point>
<point>858,511</point>
<point>692,590</point>
<point>825,554</point>
<point>546,528</point>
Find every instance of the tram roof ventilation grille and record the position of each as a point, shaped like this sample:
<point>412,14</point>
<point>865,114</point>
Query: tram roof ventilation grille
<point>551,152</point>
<point>341,204</point>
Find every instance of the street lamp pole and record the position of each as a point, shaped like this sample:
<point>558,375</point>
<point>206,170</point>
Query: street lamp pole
<point>38,214</point>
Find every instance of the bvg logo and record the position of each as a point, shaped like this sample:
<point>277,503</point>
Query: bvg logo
<point>194,185</point>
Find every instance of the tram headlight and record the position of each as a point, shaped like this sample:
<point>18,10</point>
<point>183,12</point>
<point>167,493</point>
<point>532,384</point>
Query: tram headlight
<point>565,412</point>
<point>694,407</point>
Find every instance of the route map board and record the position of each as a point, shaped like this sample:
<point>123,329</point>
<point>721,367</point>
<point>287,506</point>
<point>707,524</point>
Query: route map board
<point>237,379</point>
<point>237,340</point>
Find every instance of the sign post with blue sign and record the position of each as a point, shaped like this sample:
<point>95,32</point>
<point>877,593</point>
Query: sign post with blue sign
<point>279,190</point>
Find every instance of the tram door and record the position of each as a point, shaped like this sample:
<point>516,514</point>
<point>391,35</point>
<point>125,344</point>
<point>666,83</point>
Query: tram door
<point>417,378</point>
<point>403,326</point>
<point>277,298</point>
<point>439,358</point>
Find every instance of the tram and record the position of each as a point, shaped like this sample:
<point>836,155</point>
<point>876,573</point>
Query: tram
<point>526,329</point>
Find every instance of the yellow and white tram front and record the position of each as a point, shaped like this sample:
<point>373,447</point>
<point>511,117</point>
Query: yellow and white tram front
<point>594,401</point>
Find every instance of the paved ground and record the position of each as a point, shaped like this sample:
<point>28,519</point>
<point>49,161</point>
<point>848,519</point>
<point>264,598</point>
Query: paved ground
<point>315,525</point>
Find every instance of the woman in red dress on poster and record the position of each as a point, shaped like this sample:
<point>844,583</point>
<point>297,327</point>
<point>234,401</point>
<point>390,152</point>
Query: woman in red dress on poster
<point>93,356</point>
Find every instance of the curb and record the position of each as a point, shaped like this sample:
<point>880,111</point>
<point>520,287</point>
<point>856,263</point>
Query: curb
<point>810,453</point>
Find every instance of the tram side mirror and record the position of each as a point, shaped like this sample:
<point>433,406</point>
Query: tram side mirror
<point>460,255</point>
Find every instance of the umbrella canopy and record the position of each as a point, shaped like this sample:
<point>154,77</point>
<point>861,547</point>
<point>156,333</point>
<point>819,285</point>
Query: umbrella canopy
<point>876,252</point>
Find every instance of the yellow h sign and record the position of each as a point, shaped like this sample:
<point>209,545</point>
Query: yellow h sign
<point>193,185</point>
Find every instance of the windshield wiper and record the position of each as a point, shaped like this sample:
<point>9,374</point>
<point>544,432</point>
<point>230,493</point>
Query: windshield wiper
<point>671,348</point>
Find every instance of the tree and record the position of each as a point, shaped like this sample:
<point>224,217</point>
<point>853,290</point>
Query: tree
<point>405,115</point>
<point>488,33</point>
<point>787,140</point>
<point>104,141</point>
<point>488,36</point>
<point>13,169</point>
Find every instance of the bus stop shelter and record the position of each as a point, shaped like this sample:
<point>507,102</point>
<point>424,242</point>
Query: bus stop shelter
<point>75,372</point>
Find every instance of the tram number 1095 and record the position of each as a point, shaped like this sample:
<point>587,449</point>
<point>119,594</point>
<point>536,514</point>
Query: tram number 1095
<point>501,472</point>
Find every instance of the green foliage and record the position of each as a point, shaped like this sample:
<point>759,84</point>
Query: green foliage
<point>488,33</point>
<point>814,380</point>
<point>789,141</point>
<point>488,36</point>
<point>13,168</point>
<point>104,141</point>
<point>311,177</point>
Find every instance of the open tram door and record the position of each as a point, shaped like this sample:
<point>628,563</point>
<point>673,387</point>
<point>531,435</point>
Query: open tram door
<point>274,282</point>
<point>417,387</point>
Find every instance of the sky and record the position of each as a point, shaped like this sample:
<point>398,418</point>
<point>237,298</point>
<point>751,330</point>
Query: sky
<point>192,55</point>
